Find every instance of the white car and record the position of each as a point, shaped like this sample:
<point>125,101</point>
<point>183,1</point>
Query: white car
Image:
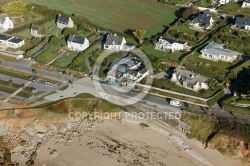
<point>175,103</point>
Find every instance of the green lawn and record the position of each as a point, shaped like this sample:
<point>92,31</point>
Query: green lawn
<point>237,110</point>
<point>25,93</point>
<point>30,17</point>
<point>47,56</point>
<point>25,33</point>
<point>7,89</point>
<point>14,73</point>
<point>185,29</point>
<point>79,61</point>
<point>148,15</point>
<point>234,8</point>
<point>151,51</point>
<point>84,95</point>
<point>66,60</point>
<point>206,67</point>
<point>8,84</point>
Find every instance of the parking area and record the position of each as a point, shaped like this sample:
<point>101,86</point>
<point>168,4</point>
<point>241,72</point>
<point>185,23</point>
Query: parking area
<point>35,88</point>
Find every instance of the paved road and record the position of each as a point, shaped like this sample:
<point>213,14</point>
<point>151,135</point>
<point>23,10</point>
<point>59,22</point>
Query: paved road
<point>20,81</point>
<point>44,73</point>
<point>85,85</point>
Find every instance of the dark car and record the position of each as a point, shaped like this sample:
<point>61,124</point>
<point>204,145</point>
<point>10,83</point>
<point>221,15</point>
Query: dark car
<point>33,78</point>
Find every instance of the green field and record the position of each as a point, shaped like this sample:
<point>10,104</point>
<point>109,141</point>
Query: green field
<point>185,29</point>
<point>65,61</point>
<point>47,56</point>
<point>118,15</point>
<point>151,51</point>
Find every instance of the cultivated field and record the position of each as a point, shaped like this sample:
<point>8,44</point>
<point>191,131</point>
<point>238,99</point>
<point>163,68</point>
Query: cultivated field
<point>118,15</point>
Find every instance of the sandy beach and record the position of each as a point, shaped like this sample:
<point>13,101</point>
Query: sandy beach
<point>62,142</point>
<point>113,143</point>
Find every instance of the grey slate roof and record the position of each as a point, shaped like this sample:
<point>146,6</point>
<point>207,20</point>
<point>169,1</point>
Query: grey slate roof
<point>171,41</point>
<point>127,62</point>
<point>15,40</point>
<point>190,77</point>
<point>203,18</point>
<point>242,21</point>
<point>144,70</point>
<point>217,49</point>
<point>76,39</point>
<point>5,37</point>
<point>113,39</point>
<point>123,68</point>
<point>62,19</point>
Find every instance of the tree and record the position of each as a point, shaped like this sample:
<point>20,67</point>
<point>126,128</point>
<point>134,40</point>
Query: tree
<point>190,11</point>
<point>139,34</point>
<point>69,31</point>
<point>228,84</point>
<point>17,7</point>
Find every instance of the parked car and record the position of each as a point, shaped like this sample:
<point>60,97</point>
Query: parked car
<point>33,78</point>
<point>174,102</point>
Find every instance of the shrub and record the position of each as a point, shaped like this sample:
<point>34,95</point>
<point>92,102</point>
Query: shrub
<point>230,100</point>
<point>214,99</point>
<point>243,101</point>
<point>238,110</point>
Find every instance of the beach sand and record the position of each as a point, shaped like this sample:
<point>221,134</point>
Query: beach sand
<point>113,143</point>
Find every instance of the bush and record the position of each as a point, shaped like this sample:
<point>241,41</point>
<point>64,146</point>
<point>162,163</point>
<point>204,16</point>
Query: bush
<point>237,110</point>
<point>243,101</point>
<point>211,102</point>
<point>33,50</point>
<point>230,100</point>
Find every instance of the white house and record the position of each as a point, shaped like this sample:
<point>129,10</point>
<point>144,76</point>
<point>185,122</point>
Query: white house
<point>5,23</point>
<point>114,43</point>
<point>246,4</point>
<point>135,75</point>
<point>242,22</point>
<point>216,52</point>
<point>34,31</point>
<point>77,43</point>
<point>220,2</point>
<point>126,69</point>
<point>10,41</point>
<point>15,42</point>
<point>63,22</point>
<point>4,39</point>
<point>204,20</point>
<point>223,2</point>
<point>166,44</point>
<point>190,80</point>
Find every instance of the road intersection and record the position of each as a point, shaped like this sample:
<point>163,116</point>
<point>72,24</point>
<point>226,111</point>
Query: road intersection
<point>86,85</point>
